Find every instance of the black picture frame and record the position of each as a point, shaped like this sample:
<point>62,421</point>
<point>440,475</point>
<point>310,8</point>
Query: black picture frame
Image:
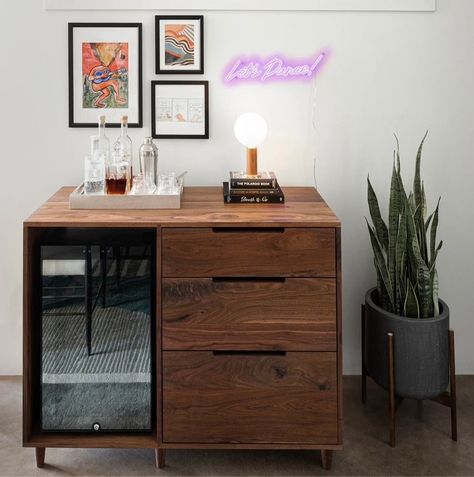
<point>156,134</point>
<point>159,69</point>
<point>73,122</point>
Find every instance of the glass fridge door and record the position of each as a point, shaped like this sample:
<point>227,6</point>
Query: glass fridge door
<point>96,345</point>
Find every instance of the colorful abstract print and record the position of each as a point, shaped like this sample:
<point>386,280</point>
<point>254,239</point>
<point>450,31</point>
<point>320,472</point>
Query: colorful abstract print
<point>179,44</point>
<point>105,75</point>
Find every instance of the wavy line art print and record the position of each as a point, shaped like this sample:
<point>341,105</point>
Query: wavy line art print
<point>179,44</point>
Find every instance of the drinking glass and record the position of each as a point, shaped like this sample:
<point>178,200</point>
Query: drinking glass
<point>167,184</point>
<point>140,185</point>
<point>94,176</point>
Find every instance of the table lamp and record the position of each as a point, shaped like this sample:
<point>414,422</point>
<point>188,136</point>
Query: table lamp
<point>250,129</point>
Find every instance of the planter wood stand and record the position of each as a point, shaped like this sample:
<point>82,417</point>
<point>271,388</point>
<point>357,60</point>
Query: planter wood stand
<point>446,399</point>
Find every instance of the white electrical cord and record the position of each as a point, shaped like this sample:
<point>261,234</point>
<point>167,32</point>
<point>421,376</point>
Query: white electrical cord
<point>314,124</point>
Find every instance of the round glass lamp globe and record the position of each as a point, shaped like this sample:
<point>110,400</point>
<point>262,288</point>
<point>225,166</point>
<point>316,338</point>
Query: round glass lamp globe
<point>250,129</point>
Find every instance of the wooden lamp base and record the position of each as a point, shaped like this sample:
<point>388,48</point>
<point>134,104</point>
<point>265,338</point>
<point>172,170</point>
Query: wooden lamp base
<point>252,167</point>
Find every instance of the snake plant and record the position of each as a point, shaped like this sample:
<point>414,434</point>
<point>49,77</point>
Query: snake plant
<point>405,248</point>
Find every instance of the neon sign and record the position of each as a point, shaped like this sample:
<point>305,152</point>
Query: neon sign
<point>274,68</point>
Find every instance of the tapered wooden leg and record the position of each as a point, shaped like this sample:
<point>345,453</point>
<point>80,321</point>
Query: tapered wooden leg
<point>391,388</point>
<point>452,387</point>
<point>362,339</point>
<point>40,453</point>
<point>160,458</point>
<point>326,459</point>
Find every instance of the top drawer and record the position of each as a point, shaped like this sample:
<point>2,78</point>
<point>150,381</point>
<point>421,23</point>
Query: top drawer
<point>257,252</point>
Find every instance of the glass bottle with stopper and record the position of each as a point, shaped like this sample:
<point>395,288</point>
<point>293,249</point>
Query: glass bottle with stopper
<point>94,165</point>
<point>148,154</point>
<point>119,169</point>
<point>100,145</point>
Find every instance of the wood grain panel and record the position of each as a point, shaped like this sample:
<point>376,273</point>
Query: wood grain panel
<point>247,398</point>
<point>207,252</point>
<point>200,207</point>
<point>87,440</point>
<point>296,314</point>
<point>31,331</point>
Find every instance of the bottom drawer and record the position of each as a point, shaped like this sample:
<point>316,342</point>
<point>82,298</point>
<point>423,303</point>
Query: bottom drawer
<point>236,397</point>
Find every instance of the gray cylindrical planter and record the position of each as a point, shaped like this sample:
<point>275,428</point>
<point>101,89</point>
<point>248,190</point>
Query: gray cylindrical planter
<point>421,350</point>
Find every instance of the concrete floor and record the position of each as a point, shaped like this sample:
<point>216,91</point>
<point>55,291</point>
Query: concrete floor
<point>424,445</point>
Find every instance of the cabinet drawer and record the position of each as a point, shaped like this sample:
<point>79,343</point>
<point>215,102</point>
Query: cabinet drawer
<point>249,398</point>
<point>218,252</point>
<point>292,314</point>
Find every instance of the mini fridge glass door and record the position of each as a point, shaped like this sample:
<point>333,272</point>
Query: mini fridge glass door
<point>97,322</point>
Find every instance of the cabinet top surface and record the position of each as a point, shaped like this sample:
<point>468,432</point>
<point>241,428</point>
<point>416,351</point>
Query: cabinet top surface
<point>200,207</point>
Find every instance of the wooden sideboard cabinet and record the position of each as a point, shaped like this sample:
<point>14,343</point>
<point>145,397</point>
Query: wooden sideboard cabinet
<point>209,327</point>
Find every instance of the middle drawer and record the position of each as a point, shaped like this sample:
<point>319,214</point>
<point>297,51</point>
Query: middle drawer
<point>292,314</point>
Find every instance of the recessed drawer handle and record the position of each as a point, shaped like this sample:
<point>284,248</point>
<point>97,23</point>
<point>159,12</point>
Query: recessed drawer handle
<point>249,353</point>
<point>248,229</point>
<point>250,279</point>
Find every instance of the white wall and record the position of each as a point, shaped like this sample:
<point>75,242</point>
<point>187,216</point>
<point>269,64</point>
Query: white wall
<point>389,72</point>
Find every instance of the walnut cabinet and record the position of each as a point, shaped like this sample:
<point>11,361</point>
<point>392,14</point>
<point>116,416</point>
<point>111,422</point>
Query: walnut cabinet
<point>209,327</point>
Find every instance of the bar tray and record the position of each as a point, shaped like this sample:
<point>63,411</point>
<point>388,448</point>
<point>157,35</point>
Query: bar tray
<point>79,200</point>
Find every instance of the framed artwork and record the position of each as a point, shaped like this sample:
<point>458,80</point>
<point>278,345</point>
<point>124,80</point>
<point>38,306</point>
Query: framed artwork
<point>180,109</point>
<point>105,73</point>
<point>179,44</point>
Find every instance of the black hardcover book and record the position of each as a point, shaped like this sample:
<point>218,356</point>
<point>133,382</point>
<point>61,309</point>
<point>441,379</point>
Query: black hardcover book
<point>252,198</point>
<point>256,192</point>
<point>263,180</point>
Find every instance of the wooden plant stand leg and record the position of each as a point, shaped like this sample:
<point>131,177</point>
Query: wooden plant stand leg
<point>40,454</point>
<point>449,398</point>
<point>160,458</point>
<point>452,387</point>
<point>362,339</point>
<point>391,387</point>
<point>326,459</point>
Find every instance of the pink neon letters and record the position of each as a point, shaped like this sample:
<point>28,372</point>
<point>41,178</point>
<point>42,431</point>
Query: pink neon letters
<point>273,68</point>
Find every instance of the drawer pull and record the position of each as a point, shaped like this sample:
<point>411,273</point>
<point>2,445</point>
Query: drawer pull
<point>249,279</point>
<point>248,229</point>
<point>249,353</point>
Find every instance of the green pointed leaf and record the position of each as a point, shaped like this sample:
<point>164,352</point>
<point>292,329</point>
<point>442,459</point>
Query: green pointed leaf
<point>435,288</point>
<point>427,223</point>
<point>394,211</point>
<point>433,262</point>
<point>379,224</point>
<point>423,200</point>
<point>412,309</point>
<point>383,295</point>
<point>424,293</point>
<point>400,259</point>
<point>417,180</point>
<point>398,154</point>
<point>434,228</point>
<point>420,225</point>
<point>411,202</point>
<point>381,264</point>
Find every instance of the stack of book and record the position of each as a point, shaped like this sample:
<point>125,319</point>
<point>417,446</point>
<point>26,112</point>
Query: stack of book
<point>261,188</point>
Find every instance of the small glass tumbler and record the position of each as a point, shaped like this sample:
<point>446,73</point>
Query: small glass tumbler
<point>139,185</point>
<point>167,184</point>
<point>94,176</point>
